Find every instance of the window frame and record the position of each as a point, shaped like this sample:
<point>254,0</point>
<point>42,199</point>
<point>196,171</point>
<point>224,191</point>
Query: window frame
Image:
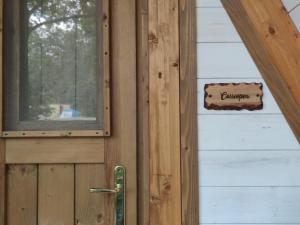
<point>73,128</point>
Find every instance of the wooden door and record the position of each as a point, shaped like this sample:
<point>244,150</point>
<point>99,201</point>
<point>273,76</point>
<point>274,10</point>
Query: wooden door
<point>46,174</point>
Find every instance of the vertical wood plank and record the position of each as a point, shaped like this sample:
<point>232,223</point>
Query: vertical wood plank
<point>89,208</point>
<point>2,183</point>
<point>22,195</point>
<point>120,148</point>
<point>2,143</point>
<point>1,66</point>
<point>165,191</point>
<point>143,112</point>
<point>56,194</point>
<point>188,113</point>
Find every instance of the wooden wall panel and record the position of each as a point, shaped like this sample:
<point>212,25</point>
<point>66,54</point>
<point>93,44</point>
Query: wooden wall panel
<point>165,180</point>
<point>56,194</point>
<point>22,194</point>
<point>89,208</point>
<point>188,114</point>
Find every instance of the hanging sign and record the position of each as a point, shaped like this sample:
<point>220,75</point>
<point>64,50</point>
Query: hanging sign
<point>233,96</point>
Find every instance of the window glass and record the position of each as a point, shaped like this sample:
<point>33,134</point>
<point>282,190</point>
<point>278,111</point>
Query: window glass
<point>53,61</point>
<point>60,60</point>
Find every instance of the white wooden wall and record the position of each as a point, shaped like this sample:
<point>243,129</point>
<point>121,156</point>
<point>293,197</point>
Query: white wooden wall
<point>249,161</point>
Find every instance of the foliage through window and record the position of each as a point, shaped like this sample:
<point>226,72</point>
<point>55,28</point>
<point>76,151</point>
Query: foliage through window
<point>52,57</point>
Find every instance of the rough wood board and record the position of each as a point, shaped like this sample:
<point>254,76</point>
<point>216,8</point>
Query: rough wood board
<point>89,208</point>
<point>56,194</point>
<point>233,96</point>
<point>22,194</point>
<point>188,113</point>
<point>273,42</point>
<point>81,150</point>
<point>2,183</point>
<point>164,116</point>
<point>121,148</point>
<point>143,112</point>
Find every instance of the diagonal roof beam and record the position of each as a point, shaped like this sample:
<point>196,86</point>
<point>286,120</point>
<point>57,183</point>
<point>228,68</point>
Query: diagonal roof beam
<point>274,43</point>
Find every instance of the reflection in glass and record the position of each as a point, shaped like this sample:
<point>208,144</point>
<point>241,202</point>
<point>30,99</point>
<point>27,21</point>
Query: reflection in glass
<point>59,60</point>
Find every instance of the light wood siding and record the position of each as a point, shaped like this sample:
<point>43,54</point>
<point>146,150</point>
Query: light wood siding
<point>249,161</point>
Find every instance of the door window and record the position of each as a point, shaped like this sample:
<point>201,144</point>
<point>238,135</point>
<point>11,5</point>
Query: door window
<point>54,65</point>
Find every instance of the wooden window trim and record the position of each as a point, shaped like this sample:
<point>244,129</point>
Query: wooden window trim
<point>70,132</point>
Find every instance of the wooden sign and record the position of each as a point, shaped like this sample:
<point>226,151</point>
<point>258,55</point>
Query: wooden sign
<point>233,96</point>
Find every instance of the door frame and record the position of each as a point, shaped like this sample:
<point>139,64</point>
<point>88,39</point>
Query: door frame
<point>185,45</point>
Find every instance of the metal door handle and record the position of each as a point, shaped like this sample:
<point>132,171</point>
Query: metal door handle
<point>119,191</point>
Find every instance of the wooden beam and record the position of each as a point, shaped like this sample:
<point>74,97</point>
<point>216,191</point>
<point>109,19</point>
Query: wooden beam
<point>164,116</point>
<point>274,43</point>
<point>188,116</point>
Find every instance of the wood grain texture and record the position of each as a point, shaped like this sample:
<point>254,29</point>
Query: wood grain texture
<point>2,183</point>
<point>270,105</point>
<point>56,194</point>
<point>165,179</point>
<point>233,96</point>
<point>89,208</point>
<point>273,42</point>
<point>143,112</point>
<point>2,146</point>
<point>81,150</point>
<point>121,148</point>
<point>22,195</point>
<point>188,113</point>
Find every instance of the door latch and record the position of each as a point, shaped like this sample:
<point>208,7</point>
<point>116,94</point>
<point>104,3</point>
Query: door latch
<point>120,194</point>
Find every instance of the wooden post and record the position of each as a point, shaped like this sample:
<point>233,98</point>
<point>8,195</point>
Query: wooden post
<point>188,113</point>
<point>164,116</point>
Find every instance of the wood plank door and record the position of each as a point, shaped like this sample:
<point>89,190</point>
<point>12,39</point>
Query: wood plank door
<point>57,139</point>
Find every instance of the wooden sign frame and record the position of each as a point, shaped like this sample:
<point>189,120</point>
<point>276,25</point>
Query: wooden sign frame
<point>233,96</point>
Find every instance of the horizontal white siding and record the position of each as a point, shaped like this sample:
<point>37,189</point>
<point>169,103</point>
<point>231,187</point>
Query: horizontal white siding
<point>249,161</point>
<point>245,132</point>
<point>244,205</point>
<point>260,168</point>
<point>213,25</point>
<point>225,60</point>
